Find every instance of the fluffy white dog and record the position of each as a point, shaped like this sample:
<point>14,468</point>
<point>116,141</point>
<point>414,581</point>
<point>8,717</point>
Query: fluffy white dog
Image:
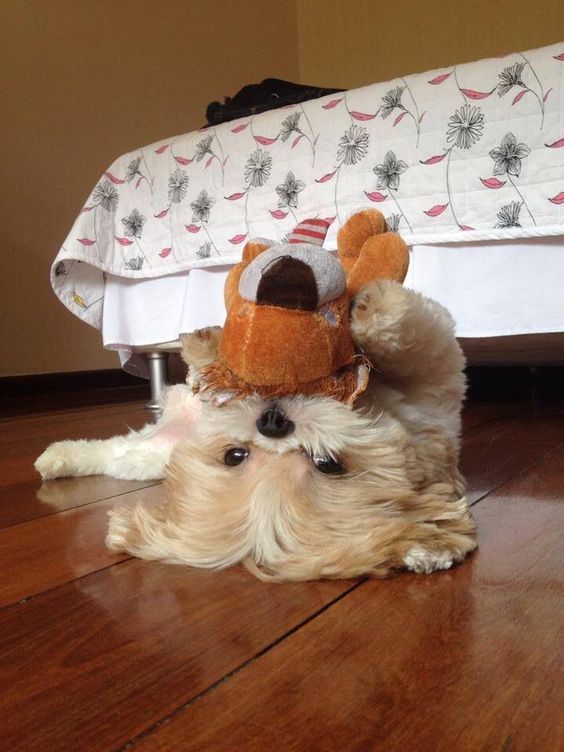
<point>305,487</point>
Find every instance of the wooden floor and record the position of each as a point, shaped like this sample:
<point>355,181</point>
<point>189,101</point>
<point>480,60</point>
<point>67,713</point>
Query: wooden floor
<point>103,652</point>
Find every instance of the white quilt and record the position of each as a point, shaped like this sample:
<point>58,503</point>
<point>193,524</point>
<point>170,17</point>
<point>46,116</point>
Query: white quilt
<point>471,152</point>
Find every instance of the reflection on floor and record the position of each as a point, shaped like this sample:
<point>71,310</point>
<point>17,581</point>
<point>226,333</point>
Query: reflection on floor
<point>102,652</point>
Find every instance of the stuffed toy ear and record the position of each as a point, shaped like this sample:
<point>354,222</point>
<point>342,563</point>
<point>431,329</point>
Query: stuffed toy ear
<point>381,257</point>
<point>353,234</point>
<point>368,252</point>
<point>251,250</point>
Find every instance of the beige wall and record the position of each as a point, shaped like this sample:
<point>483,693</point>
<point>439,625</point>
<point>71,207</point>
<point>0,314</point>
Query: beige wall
<point>81,82</point>
<point>349,43</point>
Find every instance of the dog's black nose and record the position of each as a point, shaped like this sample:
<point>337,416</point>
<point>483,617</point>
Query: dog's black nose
<point>274,424</point>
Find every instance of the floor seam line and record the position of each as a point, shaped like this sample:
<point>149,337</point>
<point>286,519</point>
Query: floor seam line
<point>33,596</point>
<point>80,506</point>
<point>519,472</point>
<point>193,700</point>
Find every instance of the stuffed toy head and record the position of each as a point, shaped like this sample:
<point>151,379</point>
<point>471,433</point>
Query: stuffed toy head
<point>287,329</point>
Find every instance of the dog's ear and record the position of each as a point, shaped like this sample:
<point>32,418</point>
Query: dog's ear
<point>200,348</point>
<point>250,252</point>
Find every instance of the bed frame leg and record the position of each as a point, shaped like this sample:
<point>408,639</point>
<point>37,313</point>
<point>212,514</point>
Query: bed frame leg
<point>158,370</point>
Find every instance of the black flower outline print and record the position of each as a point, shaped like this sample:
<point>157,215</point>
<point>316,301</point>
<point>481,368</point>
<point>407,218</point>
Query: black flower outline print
<point>388,178</point>
<point>392,100</point>
<point>178,182</point>
<point>204,251</point>
<point>105,197</point>
<point>60,273</point>
<point>133,171</point>
<point>508,160</point>
<point>257,168</point>
<point>352,148</point>
<point>393,222</point>
<point>291,125</point>
<point>177,186</point>
<point>256,174</point>
<point>353,145</point>
<point>135,264</point>
<point>464,129</point>
<point>201,207</point>
<point>201,212</point>
<point>508,156</point>
<point>509,77</point>
<point>512,75</point>
<point>204,148</point>
<point>133,225</point>
<point>508,215</point>
<point>288,196</point>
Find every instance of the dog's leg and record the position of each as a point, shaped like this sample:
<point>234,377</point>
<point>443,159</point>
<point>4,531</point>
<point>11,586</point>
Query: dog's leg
<point>139,455</point>
<point>419,371</point>
<point>409,338</point>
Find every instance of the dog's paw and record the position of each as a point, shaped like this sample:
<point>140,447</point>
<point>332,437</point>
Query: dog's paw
<point>423,561</point>
<point>55,462</point>
<point>201,347</point>
<point>378,312</point>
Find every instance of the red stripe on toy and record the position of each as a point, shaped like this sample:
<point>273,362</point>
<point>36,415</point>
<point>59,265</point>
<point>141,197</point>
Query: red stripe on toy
<point>310,231</point>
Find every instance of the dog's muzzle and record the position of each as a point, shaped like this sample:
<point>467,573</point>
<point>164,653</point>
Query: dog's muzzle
<point>274,424</point>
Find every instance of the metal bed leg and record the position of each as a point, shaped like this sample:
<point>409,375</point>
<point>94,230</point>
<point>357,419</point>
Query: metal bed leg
<point>158,370</point>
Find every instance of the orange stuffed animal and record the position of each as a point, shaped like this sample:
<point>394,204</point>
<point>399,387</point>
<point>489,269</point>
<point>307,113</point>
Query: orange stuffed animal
<point>287,328</point>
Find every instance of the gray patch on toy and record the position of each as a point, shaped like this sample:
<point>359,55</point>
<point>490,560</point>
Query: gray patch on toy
<point>328,272</point>
<point>329,315</point>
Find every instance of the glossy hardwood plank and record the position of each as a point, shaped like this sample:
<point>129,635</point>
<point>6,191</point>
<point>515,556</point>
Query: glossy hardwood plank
<point>29,500</point>
<point>494,451</point>
<point>475,412</point>
<point>95,662</point>
<point>51,551</point>
<point>468,659</point>
<point>23,439</point>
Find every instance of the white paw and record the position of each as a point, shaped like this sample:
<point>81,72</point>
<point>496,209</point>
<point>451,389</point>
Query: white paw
<point>55,461</point>
<point>421,560</point>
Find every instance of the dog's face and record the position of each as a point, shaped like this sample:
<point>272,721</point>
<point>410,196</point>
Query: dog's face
<point>296,488</point>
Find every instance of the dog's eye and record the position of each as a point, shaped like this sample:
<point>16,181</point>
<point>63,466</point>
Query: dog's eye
<point>235,456</point>
<point>327,465</point>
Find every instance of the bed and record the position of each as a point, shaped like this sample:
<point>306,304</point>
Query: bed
<point>465,162</point>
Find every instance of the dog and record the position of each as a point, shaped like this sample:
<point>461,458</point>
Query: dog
<point>304,487</point>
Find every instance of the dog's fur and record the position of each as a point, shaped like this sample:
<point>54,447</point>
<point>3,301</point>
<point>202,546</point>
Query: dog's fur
<point>399,503</point>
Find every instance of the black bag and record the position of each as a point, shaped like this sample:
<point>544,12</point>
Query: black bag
<point>270,94</point>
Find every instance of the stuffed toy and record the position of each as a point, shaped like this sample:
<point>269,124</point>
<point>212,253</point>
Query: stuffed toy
<point>318,432</point>
<point>283,294</point>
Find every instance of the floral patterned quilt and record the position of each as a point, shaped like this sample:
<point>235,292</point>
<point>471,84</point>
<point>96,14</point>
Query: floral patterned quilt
<point>468,152</point>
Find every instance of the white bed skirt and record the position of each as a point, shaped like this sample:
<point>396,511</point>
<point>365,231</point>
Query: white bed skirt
<point>492,289</point>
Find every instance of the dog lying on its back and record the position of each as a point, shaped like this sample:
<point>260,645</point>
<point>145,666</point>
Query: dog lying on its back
<point>300,486</point>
